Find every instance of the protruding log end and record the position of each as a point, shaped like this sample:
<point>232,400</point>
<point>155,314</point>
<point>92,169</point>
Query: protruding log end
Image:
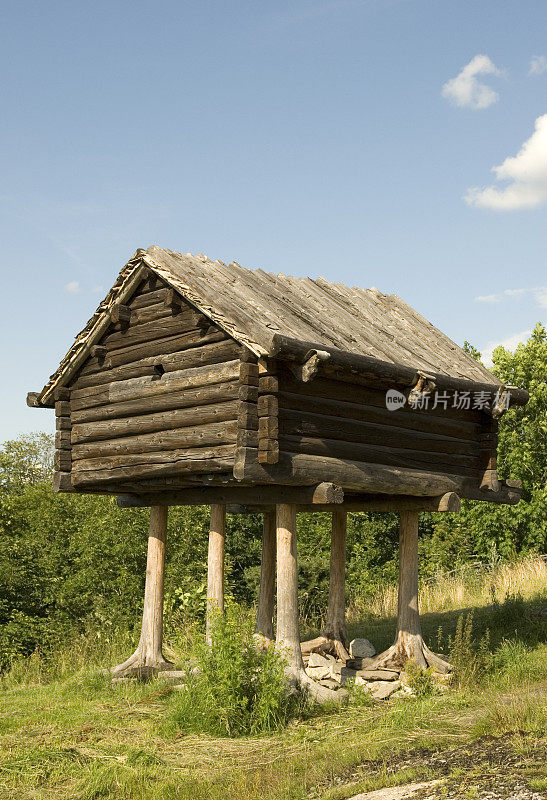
<point>32,399</point>
<point>62,482</point>
<point>328,493</point>
<point>490,481</point>
<point>450,502</point>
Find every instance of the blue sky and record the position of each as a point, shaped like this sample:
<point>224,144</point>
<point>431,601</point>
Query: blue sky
<point>312,138</point>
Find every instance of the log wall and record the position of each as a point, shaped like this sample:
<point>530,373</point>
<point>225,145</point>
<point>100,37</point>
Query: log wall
<point>159,396</point>
<point>329,417</point>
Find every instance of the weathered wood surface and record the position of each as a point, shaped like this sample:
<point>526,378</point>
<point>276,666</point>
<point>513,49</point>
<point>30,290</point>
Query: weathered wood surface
<point>358,476</point>
<point>147,386</point>
<point>215,567</point>
<point>147,423</point>
<point>313,495</point>
<point>211,349</point>
<point>220,433</point>
<point>390,455</point>
<point>190,398</point>
<point>117,469</point>
<point>266,593</point>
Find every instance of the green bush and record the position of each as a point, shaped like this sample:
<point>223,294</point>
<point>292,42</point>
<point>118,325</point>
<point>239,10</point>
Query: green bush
<point>234,689</point>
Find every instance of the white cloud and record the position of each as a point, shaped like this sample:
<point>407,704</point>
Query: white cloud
<point>514,292</point>
<point>466,91</point>
<point>538,65</point>
<point>488,298</point>
<point>527,171</point>
<point>73,287</point>
<point>510,344</point>
<point>541,296</point>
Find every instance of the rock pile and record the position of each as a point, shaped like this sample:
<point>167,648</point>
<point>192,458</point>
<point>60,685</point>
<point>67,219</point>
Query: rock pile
<point>334,673</point>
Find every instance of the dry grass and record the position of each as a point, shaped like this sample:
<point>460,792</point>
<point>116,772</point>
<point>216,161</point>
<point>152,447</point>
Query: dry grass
<point>471,586</point>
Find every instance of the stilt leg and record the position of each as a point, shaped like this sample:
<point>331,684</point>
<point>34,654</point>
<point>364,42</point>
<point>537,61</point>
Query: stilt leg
<point>409,643</point>
<point>334,638</point>
<point>287,635</point>
<point>264,617</point>
<point>215,567</point>
<point>148,657</point>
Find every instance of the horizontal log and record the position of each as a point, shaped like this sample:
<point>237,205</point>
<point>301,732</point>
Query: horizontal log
<point>247,416</point>
<point>268,455</point>
<point>146,331</point>
<point>375,454</point>
<point>247,438</point>
<point>324,492</point>
<point>142,298</point>
<point>215,433</point>
<point>298,423</point>
<point>192,462</point>
<point>156,347</point>
<point>448,502</point>
<point>98,351</point>
<point>268,384</point>
<point>268,427</point>
<point>205,350</point>
<point>32,399</point>
<point>367,395</point>
<point>346,408</point>
<point>61,393</point>
<point>216,393</point>
<point>147,386</point>
<point>356,476</point>
<point>149,423</point>
<point>151,458</point>
<point>268,405</point>
<point>371,368</point>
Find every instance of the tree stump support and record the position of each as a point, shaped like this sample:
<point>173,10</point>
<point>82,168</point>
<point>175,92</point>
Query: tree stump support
<point>264,616</point>
<point>334,638</point>
<point>148,658</point>
<point>215,567</point>
<point>409,644</point>
<point>287,634</point>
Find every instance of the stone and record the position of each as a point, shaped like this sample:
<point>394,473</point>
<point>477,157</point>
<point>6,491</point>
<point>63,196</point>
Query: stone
<point>173,676</point>
<point>378,674</point>
<point>359,663</point>
<point>330,683</point>
<point>318,660</point>
<point>319,673</point>
<point>361,648</point>
<point>381,690</point>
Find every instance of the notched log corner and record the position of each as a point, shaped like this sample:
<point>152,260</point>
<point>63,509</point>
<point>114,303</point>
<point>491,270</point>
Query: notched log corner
<point>309,368</point>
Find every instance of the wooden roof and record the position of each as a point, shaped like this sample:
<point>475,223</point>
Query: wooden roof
<point>254,306</point>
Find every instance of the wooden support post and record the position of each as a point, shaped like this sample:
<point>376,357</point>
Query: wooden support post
<point>148,657</point>
<point>264,617</point>
<point>287,634</point>
<point>409,643</point>
<point>334,638</point>
<point>215,566</point>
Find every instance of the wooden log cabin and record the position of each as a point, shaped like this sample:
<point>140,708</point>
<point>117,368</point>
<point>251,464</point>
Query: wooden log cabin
<point>197,382</point>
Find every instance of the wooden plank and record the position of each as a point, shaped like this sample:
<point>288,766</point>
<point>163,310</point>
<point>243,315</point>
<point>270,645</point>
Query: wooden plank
<point>63,424</point>
<point>220,433</point>
<point>143,298</point>
<point>157,347</point>
<point>148,423</point>
<point>62,439</point>
<point>62,408</point>
<point>215,393</point>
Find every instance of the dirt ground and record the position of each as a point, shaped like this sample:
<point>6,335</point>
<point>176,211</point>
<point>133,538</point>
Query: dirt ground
<point>512,767</point>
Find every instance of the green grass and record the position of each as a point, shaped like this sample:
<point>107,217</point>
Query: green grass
<point>67,732</point>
